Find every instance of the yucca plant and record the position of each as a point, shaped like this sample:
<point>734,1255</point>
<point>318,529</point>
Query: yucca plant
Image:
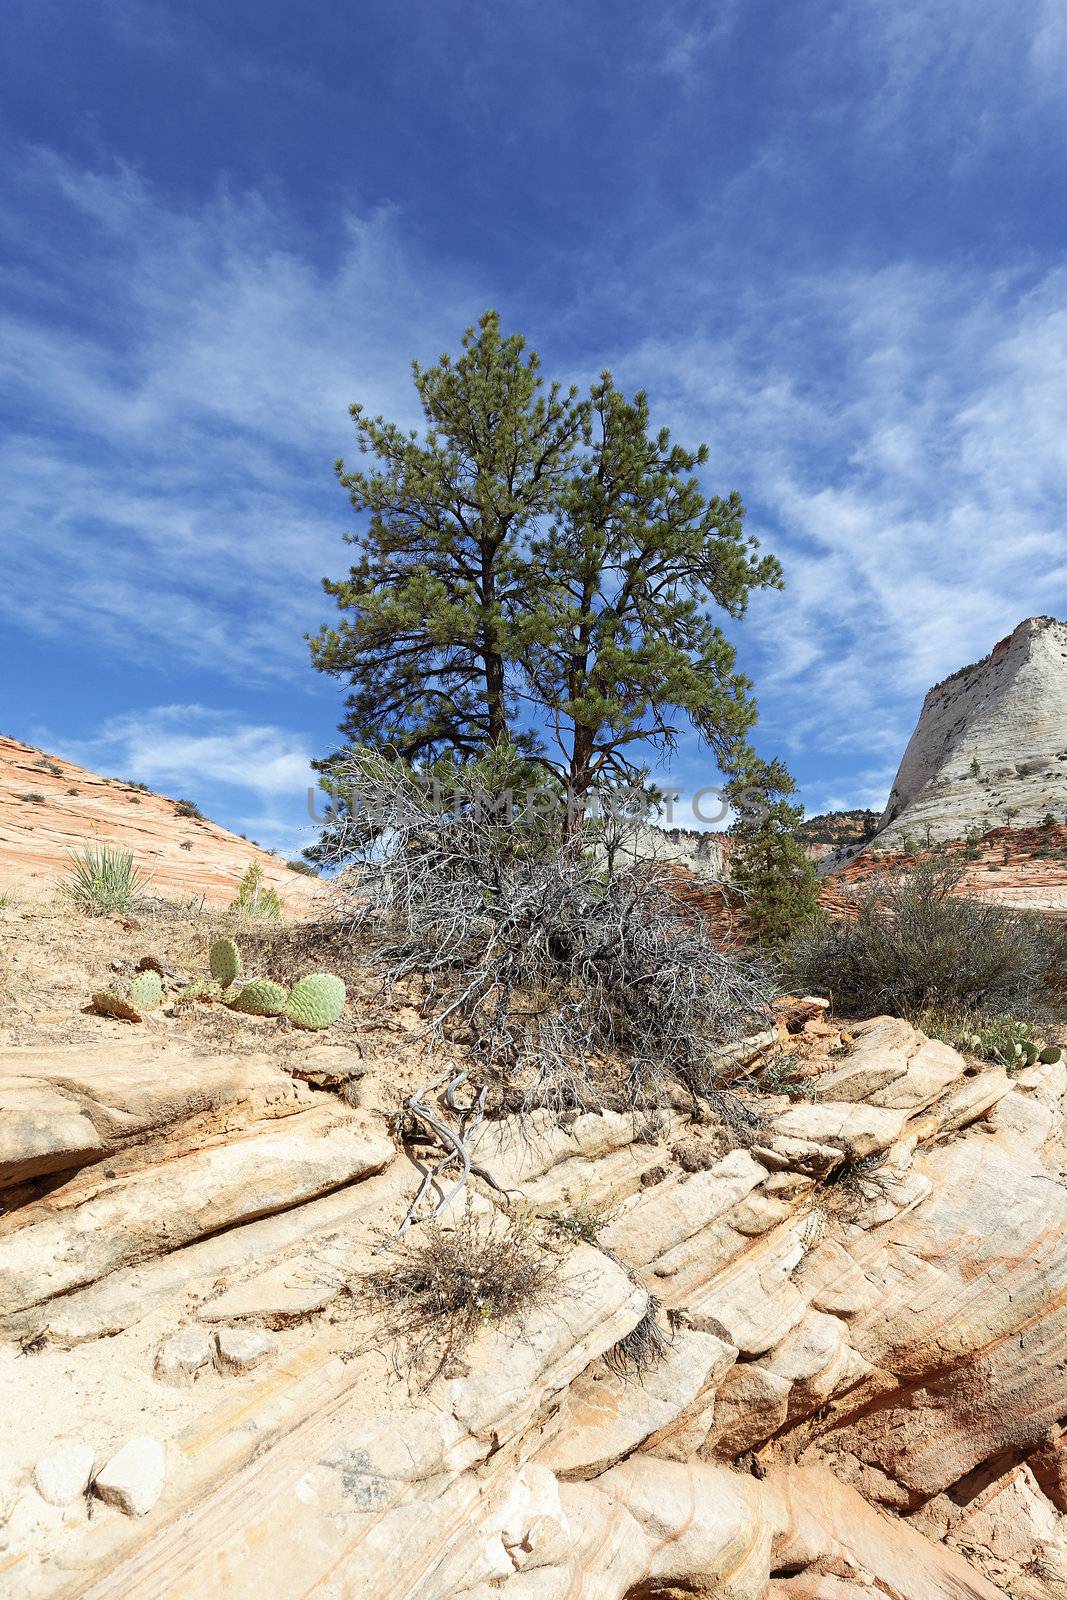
<point>104,878</point>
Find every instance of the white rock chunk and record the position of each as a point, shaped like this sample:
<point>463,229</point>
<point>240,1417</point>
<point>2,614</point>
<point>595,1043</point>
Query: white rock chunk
<point>64,1475</point>
<point>238,1350</point>
<point>133,1479</point>
<point>180,1358</point>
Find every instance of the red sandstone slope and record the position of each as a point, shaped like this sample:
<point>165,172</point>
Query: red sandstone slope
<point>1023,867</point>
<point>184,855</point>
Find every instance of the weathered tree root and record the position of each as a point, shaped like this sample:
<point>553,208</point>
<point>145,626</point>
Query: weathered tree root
<point>456,1149</point>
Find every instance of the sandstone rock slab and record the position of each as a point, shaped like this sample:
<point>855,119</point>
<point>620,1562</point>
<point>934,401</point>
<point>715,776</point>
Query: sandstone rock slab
<point>133,1479</point>
<point>157,1210</point>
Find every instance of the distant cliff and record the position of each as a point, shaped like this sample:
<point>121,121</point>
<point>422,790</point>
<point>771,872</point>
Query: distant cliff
<point>990,746</point>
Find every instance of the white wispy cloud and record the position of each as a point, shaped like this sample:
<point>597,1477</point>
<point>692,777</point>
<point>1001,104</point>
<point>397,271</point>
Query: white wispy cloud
<point>171,444</point>
<point>255,776</point>
<point>179,377</point>
<point>904,448</point>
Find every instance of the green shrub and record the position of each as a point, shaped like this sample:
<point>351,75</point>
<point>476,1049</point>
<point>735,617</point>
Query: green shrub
<point>188,808</point>
<point>303,867</point>
<point>915,944</point>
<point>585,1219</point>
<point>33,799</point>
<point>104,878</point>
<point>256,898</point>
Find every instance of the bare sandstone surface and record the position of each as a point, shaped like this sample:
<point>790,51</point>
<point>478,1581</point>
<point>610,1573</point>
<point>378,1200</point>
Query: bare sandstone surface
<point>49,807</point>
<point>990,743</point>
<point>861,1394</point>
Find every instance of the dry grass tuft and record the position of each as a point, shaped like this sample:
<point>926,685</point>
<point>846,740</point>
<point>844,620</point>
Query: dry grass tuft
<point>442,1288</point>
<point>643,1347</point>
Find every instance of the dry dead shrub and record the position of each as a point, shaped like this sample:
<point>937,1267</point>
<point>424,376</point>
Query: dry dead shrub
<point>443,1286</point>
<point>548,958</point>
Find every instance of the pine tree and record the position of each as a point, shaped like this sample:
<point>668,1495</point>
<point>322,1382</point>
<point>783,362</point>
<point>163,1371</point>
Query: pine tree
<point>439,603</point>
<point>623,650</point>
<point>769,871</point>
<point>542,572</point>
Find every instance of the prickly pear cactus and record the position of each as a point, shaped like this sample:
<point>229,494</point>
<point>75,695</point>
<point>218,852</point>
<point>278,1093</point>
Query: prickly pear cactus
<point>225,962</point>
<point>146,991</point>
<point>316,1000</point>
<point>201,989</point>
<point>1029,1051</point>
<point>1050,1055</point>
<point>260,998</point>
<point>111,1004</point>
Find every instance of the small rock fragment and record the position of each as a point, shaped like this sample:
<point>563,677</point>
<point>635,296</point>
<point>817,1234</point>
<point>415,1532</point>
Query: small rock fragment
<point>238,1350</point>
<point>64,1475</point>
<point>133,1479</point>
<point>180,1358</point>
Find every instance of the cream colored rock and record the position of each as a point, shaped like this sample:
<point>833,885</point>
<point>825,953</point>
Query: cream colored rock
<point>62,1476</point>
<point>181,1357</point>
<point>831,1529</point>
<point>514,1372</point>
<point>611,1414</point>
<point>58,1250</point>
<point>750,1407</point>
<point>42,1131</point>
<point>988,739</point>
<point>239,1350</point>
<point>891,1064</point>
<point>670,1212</point>
<point>703,1522</point>
<point>133,1478</point>
<point>752,1301</point>
<point>834,1281</point>
<point>855,1130</point>
<point>971,1099</point>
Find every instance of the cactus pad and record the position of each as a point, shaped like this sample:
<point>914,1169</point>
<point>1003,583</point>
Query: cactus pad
<point>316,1000</point>
<point>111,1004</point>
<point>1050,1055</point>
<point>260,998</point>
<point>146,991</point>
<point>225,962</point>
<point>201,989</point>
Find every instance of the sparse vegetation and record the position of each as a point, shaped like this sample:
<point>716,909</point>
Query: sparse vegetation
<point>447,1284</point>
<point>104,878</point>
<point>315,1001</point>
<point>305,868</point>
<point>33,799</point>
<point>256,898</point>
<point>1007,1040</point>
<point>535,549</point>
<point>49,767</point>
<point>769,871</point>
<point>780,1076</point>
<point>643,1347</point>
<point>584,1220</point>
<point>132,1003</point>
<point>188,808</point>
<point>915,943</point>
<point>548,960</point>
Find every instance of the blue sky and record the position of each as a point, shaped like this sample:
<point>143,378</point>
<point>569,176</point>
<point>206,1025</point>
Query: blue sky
<point>827,238</point>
